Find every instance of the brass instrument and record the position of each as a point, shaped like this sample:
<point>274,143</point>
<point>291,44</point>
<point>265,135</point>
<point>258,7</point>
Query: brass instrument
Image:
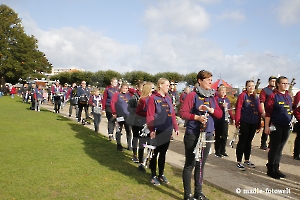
<point>257,85</point>
<point>291,86</point>
<point>235,138</point>
<point>150,152</point>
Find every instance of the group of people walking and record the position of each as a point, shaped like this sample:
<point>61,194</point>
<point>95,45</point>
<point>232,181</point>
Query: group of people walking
<point>148,115</point>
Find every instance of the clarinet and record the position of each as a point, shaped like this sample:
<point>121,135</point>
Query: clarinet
<point>226,112</point>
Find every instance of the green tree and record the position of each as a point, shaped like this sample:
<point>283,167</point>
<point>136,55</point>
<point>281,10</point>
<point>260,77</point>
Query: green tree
<point>19,54</point>
<point>171,76</point>
<point>191,78</point>
<point>135,77</point>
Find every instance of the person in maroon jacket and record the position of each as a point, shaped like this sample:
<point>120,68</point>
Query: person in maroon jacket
<point>140,121</point>
<point>247,120</point>
<point>183,94</point>
<point>264,94</point>
<point>296,112</point>
<point>199,108</point>
<point>221,125</point>
<point>96,102</point>
<point>278,114</point>
<point>161,121</point>
<point>119,104</point>
<point>107,95</point>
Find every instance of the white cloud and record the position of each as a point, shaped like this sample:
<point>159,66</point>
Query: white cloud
<point>233,15</point>
<point>288,12</point>
<point>177,16</point>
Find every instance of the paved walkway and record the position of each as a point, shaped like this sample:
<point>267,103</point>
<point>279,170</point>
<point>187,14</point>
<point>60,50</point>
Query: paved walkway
<point>222,172</point>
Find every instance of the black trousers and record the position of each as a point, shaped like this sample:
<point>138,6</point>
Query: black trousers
<point>247,132</point>
<point>278,139</point>
<point>162,146</point>
<point>190,142</point>
<point>110,120</point>
<point>221,134</point>
<point>85,107</point>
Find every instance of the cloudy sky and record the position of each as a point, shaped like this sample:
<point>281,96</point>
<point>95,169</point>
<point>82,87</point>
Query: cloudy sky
<point>234,39</point>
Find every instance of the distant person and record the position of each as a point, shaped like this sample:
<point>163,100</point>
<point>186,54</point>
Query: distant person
<point>221,125</point>
<point>106,105</point>
<point>263,96</point>
<point>247,120</point>
<point>13,91</point>
<point>278,114</point>
<point>96,102</point>
<point>56,91</point>
<point>38,96</point>
<point>83,94</point>
<point>119,104</point>
<point>72,96</point>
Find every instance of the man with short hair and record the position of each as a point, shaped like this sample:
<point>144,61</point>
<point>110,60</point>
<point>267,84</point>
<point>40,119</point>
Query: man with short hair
<point>263,96</point>
<point>83,94</point>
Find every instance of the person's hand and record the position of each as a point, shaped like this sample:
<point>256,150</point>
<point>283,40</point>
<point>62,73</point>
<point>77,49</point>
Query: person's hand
<point>267,130</point>
<point>114,116</point>
<point>201,118</point>
<point>206,108</point>
<point>152,135</point>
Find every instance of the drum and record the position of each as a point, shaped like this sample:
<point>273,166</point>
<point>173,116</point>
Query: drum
<point>74,100</point>
<point>83,100</point>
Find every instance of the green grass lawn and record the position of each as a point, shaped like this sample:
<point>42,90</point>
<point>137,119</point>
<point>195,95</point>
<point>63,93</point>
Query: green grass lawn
<point>46,156</point>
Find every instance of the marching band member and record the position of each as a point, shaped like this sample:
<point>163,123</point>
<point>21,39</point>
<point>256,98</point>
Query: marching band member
<point>140,121</point>
<point>221,125</point>
<point>279,114</point>
<point>107,95</point>
<point>263,96</point>
<point>132,104</point>
<point>296,112</point>
<point>83,93</point>
<point>96,102</point>
<point>56,90</point>
<point>195,105</point>
<point>31,96</point>
<point>161,121</point>
<point>184,94</point>
<point>64,96</point>
<point>119,104</point>
<point>38,96</point>
<point>72,95</point>
<point>247,120</point>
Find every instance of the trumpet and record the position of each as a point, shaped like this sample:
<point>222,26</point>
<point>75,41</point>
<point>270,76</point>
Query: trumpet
<point>235,137</point>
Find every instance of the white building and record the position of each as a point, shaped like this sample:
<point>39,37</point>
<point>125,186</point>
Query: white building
<point>60,70</point>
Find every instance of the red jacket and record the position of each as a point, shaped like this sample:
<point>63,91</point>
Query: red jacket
<point>13,90</point>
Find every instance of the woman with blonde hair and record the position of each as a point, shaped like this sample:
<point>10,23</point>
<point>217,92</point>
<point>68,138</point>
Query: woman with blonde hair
<point>140,121</point>
<point>161,121</point>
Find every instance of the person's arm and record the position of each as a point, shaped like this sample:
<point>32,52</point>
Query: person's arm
<point>113,102</point>
<point>238,109</point>
<point>150,114</point>
<point>104,99</point>
<point>185,109</point>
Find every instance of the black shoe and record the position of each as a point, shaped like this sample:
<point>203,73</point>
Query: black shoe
<point>218,155</point>
<point>224,154</point>
<point>201,197</point>
<point>69,115</point>
<point>263,147</point>
<point>163,179</point>
<point>297,158</point>
<point>110,137</point>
